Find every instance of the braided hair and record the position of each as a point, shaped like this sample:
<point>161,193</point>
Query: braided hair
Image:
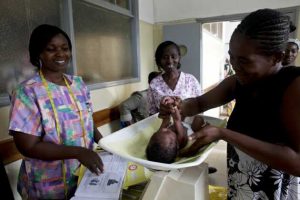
<point>270,28</point>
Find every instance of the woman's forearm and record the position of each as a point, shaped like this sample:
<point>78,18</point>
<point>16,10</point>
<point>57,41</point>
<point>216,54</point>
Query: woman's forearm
<point>221,94</point>
<point>33,147</point>
<point>50,151</point>
<point>189,107</point>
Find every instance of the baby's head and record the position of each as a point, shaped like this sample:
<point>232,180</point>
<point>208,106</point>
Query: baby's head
<point>163,146</point>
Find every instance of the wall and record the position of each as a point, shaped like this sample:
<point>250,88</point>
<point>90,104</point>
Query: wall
<point>177,10</point>
<point>146,12</point>
<point>191,39</point>
<point>4,122</point>
<point>157,35</point>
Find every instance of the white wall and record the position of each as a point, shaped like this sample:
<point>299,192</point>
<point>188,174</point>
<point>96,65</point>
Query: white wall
<point>174,10</point>
<point>212,60</point>
<point>212,64</point>
<point>187,34</point>
<point>146,12</point>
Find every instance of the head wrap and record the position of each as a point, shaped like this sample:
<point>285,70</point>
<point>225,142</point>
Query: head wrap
<point>295,41</point>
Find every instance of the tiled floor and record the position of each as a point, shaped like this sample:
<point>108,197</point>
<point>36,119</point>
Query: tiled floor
<point>217,159</point>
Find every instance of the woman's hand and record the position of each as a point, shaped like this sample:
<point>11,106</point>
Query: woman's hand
<point>204,136</point>
<point>91,160</point>
<point>167,105</point>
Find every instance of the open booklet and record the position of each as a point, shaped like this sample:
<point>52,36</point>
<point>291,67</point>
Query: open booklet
<point>106,186</point>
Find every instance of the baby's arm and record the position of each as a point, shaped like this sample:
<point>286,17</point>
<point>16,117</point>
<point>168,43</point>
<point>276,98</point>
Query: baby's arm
<point>165,123</point>
<point>180,130</point>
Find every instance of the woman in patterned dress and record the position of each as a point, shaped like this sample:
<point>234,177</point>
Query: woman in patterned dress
<point>263,131</point>
<point>51,121</point>
<point>172,82</point>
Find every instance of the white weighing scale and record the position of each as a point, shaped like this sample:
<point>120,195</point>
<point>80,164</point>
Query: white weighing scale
<point>184,179</point>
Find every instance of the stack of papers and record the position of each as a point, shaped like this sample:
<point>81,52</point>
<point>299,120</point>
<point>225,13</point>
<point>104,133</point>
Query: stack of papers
<point>106,186</point>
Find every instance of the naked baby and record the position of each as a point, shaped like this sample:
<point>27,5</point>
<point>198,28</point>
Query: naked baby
<point>165,144</point>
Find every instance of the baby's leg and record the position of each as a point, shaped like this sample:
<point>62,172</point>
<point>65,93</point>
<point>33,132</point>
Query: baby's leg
<point>197,123</point>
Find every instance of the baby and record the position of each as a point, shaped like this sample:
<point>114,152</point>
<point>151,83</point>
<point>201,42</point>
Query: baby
<point>165,144</point>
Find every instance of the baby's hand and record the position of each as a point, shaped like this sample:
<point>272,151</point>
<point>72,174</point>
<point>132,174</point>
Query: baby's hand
<point>176,114</point>
<point>168,101</point>
<point>167,105</point>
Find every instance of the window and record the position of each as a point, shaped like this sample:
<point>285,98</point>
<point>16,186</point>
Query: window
<point>104,34</point>
<point>214,28</point>
<point>17,20</point>
<point>104,48</point>
<point>121,3</point>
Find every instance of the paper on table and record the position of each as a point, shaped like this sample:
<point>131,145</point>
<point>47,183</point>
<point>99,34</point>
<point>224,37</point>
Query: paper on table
<point>107,185</point>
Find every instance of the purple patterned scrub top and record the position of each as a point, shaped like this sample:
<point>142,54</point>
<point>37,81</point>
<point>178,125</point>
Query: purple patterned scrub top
<point>187,86</point>
<point>31,113</point>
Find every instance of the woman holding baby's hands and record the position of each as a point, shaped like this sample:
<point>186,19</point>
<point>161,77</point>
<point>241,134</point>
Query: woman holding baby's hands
<point>207,134</point>
<point>262,134</point>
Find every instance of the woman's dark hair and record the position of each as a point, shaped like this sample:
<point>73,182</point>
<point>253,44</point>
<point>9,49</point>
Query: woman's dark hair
<point>152,75</point>
<point>270,28</point>
<point>160,50</point>
<point>39,39</point>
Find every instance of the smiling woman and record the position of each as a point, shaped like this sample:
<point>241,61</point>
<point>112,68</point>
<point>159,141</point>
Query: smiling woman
<point>51,121</point>
<point>172,81</point>
<point>291,52</point>
<point>52,57</point>
<point>262,134</point>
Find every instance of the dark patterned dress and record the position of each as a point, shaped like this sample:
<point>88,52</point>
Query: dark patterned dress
<point>257,114</point>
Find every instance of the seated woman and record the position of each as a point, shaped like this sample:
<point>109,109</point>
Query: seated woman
<point>165,144</point>
<point>172,81</point>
